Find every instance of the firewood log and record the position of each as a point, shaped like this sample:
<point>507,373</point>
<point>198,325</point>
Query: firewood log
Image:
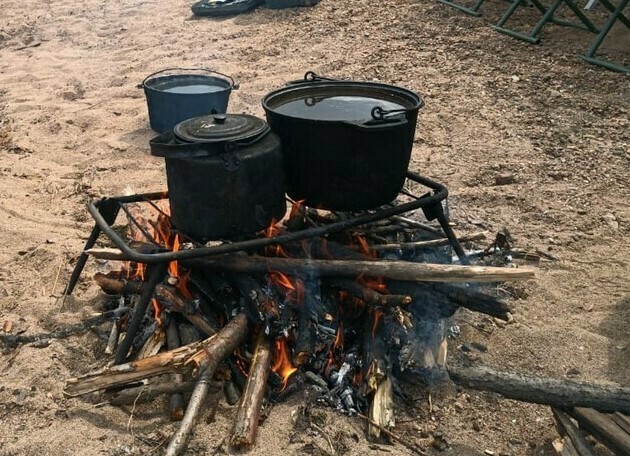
<point>603,429</point>
<point>539,390</point>
<point>192,357</point>
<point>397,270</point>
<point>248,414</point>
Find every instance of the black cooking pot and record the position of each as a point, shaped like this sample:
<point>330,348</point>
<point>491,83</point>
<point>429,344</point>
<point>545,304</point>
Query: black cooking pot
<point>346,144</point>
<point>224,174</point>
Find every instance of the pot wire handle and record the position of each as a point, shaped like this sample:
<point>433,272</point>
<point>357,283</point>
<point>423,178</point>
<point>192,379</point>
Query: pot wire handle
<point>311,76</point>
<point>233,84</point>
<point>379,113</point>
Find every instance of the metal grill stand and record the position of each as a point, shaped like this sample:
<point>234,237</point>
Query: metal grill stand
<point>107,209</point>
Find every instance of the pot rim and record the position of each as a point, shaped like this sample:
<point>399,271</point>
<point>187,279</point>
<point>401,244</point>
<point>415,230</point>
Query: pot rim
<point>149,82</point>
<point>410,100</point>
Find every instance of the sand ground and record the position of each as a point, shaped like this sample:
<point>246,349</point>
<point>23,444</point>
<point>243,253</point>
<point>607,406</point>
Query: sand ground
<point>73,126</point>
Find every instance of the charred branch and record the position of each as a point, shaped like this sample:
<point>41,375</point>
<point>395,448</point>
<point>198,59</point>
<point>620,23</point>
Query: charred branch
<point>12,341</point>
<point>305,341</point>
<point>397,270</point>
<point>147,393</point>
<point>252,295</point>
<point>568,428</point>
<point>171,299</point>
<point>176,401</point>
<point>426,244</point>
<point>370,296</point>
<point>156,275</point>
<point>603,428</point>
<point>114,333</point>
<point>557,393</point>
<point>248,414</point>
<point>116,285</point>
<point>474,300</point>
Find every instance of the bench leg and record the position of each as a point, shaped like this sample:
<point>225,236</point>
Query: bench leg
<point>474,11</point>
<point>589,57</point>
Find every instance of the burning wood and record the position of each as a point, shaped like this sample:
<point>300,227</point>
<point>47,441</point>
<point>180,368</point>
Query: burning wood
<point>394,270</point>
<point>248,414</point>
<point>192,357</point>
<point>327,310</point>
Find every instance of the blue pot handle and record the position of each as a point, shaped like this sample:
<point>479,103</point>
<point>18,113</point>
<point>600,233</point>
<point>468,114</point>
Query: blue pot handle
<point>233,84</point>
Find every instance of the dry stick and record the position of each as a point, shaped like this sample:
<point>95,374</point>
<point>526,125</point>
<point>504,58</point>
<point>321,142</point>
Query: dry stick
<point>183,359</point>
<point>416,224</point>
<point>570,430</point>
<point>248,414</point>
<point>54,287</point>
<point>224,343</point>
<point>415,449</point>
<point>106,253</point>
<point>568,449</point>
<point>137,222</point>
<point>370,296</point>
<point>122,374</point>
<point>13,341</point>
<point>540,390</point>
<point>176,402</point>
<point>427,244</point>
<point>603,429</point>
<point>622,421</point>
<point>396,270</point>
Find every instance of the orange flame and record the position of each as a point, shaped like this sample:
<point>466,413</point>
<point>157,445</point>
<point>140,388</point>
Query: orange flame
<point>282,364</point>
<point>377,315</point>
<point>157,310</point>
<point>364,246</point>
<point>296,207</point>
<point>337,345</point>
<point>293,290</point>
<point>273,230</point>
<point>326,253</point>
<point>173,270</point>
<point>373,283</point>
<point>281,280</point>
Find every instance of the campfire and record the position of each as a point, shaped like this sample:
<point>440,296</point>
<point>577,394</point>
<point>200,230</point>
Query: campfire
<point>347,304</point>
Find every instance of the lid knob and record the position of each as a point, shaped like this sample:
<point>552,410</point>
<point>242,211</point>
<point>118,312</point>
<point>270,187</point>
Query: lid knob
<point>219,118</point>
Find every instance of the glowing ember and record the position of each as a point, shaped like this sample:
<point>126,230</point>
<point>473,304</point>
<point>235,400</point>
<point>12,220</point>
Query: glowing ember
<point>282,364</point>
<point>373,283</point>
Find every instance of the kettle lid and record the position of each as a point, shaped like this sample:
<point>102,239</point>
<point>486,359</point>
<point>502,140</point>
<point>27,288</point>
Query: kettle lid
<point>219,128</point>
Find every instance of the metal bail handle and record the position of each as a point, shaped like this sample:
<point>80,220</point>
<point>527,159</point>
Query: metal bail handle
<point>311,76</point>
<point>233,84</point>
<point>379,113</point>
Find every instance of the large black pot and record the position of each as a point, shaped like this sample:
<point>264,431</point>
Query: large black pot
<point>346,144</point>
<point>224,174</point>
